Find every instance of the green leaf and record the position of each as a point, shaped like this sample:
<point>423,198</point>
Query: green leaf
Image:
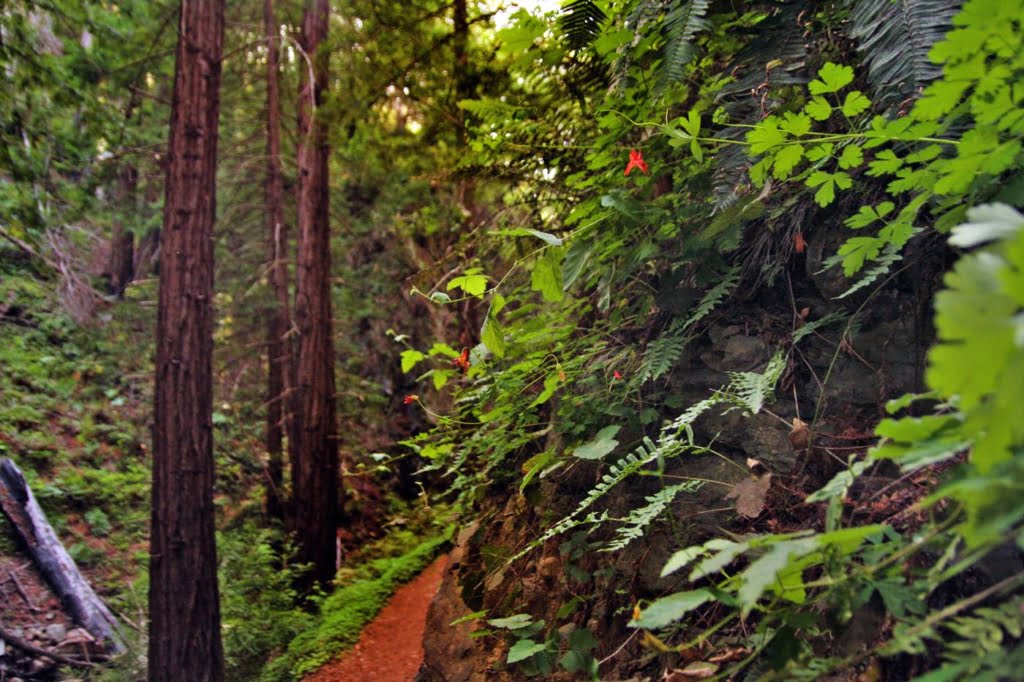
<point>851,157</point>
<point>726,552</point>
<point>856,250</point>
<point>910,429</point>
<point>855,103</point>
<point>440,297</point>
<point>551,382</point>
<point>774,570</point>
<point>786,159</point>
<point>796,124</point>
<point>516,622</point>
<point>765,136</point>
<point>545,237</point>
<point>410,358</point>
<point>669,609</point>
<point>441,377</point>
<point>986,223</point>
<point>819,109</point>
<point>468,617</point>
<point>826,185</point>
<point>885,163</point>
<point>840,483</point>
<point>692,123</point>
<point>534,466</point>
<point>582,639</point>
<point>523,649</point>
<point>576,257</point>
<point>681,559</point>
<point>832,78</point>
<point>820,151</point>
<point>864,216</point>
<point>547,276</point>
<point>697,152</point>
<point>492,335</point>
<point>600,445</point>
<point>472,284</point>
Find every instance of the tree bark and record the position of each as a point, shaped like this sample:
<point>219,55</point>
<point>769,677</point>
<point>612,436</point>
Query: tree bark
<point>315,457</point>
<point>280,358</point>
<point>184,612</point>
<point>121,266</point>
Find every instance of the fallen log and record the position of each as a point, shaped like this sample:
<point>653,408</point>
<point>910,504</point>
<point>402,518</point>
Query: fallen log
<point>20,507</point>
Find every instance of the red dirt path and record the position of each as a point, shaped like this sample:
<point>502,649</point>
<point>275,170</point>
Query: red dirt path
<point>390,648</point>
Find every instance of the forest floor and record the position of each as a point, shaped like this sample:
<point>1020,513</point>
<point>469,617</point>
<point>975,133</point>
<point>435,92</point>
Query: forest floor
<point>30,611</point>
<point>390,648</point>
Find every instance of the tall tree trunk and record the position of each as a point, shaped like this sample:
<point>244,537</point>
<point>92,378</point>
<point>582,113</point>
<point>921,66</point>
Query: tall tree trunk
<point>280,358</point>
<point>121,265</point>
<point>184,613</point>
<point>463,84</point>
<point>315,461</point>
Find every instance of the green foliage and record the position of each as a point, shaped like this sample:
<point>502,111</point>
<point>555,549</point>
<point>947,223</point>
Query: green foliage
<point>982,646</point>
<point>977,369</point>
<point>534,658</point>
<point>746,390</point>
<point>977,321</point>
<point>259,615</point>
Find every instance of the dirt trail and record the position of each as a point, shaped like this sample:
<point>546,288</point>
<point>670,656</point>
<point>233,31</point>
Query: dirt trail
<point>390,648</point>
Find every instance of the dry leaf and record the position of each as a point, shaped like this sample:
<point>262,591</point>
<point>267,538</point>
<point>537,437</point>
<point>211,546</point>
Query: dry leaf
<point>698,670</point>
<point>751,463</point>
<point>750,494</point>
<point>800,435</point>
<point>729,655</point>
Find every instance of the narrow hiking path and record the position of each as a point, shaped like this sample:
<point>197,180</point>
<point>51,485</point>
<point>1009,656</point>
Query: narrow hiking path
<point>390,648</point>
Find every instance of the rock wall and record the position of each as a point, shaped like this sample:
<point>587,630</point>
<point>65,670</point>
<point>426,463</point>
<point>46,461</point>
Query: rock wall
<point>837,380</point>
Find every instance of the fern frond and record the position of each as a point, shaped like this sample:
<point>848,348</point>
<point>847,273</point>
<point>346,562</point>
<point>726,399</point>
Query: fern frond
<point>748,390</point>
<point>683,21</point>
<point>713,297</point>
<point>895,37</point>
<point>637,520</point>
<point>581,22</point>
<point>891,255</point>
<point>779,41</point>
<point>661,355</point>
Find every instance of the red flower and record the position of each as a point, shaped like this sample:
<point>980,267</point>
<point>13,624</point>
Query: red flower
<point>462,362</point>
<point>410,399</point>
<point>616,374</point>
<point>636,160</point>
<point>799,243</point>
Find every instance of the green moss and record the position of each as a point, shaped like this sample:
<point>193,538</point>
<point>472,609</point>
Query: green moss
<point>344,612</point>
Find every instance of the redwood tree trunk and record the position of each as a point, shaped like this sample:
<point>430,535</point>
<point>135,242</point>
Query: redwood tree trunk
<point>280,367</point>
<point>121,266</point>
<point>315,459</point>
<point>184,613</point>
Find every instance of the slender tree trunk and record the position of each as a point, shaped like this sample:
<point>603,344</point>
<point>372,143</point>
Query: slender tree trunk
<point>121,266</point>
<point>280,358</point>
<point>463,85</point>
<point>184,613</point>
<point>315,461</point>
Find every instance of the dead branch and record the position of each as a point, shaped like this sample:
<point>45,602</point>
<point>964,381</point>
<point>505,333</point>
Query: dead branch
<point>30,648</point>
